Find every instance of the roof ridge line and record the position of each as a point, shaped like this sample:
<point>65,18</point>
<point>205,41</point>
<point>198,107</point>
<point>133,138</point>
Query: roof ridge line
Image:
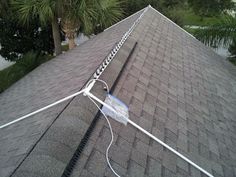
<point>123,19</point>
<point>182,29</point>
<point>117,47</point>
<point>172,22</point>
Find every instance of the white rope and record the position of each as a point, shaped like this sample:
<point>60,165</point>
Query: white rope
<point>86,90</point>
<point>169,148</point>
<point>102,81</point>
<point>42,109</point>
<point>112,138</point>
<point>108,122</point>
<point>145,132</point>
<point>96,75</point>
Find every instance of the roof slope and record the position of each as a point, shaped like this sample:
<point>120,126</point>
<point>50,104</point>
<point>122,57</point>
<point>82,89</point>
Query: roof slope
<point>49,82</point>
<point>182,92</point>
<point>175,87</point>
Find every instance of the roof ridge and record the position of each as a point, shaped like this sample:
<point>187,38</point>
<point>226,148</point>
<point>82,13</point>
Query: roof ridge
<point>117,47</point>
<point>124,19</point>
<point>67,79</point>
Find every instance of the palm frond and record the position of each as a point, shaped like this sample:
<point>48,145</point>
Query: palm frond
<point>89,13</point>
<point>86,14</point>
<point>31,9</point>
<point>110,12</point>
<point>4,8</point>
<point>221,33</point>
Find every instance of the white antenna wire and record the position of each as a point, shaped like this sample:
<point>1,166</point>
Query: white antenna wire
<point>148,134</point>
<point>86,92</point>
<point>42,109</point>
<point>112,138</point>
<point>108,122</point>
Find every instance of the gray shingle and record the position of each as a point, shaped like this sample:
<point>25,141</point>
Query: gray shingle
<point>175,87</point>
<point>51,81</point>
<point>171,82</point>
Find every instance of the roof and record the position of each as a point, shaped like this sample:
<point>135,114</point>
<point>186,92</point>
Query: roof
<point>175,87</point>
<point>51,81</point>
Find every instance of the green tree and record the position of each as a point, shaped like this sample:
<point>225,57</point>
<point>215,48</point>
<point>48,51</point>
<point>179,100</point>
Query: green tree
<point>172,3</point>
<point>167,7</point>
<point>44,10</point>
<point>16,39</point>
<point>132,6</point>
<point>85,15</point>
<point>4,6</point>
<point>222,32</point>
<point>210,7</point>
<point>232,48</point>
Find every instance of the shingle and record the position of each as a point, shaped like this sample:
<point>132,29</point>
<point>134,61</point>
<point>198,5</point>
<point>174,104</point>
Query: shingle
<point>123,144</point>
<point>183,165</point>
<point>140,146</point>
<point>169,161</point>
<point>96,163</point>
<point>139,157</point>
<point>120,170</point>
<point>135,170</point>
<point>163,97</point>
<point>154,168</point>
<point>139,94</point>
<point>120,156</point>
<point>156,151</point>
<point>80,164</point>
<point>135,107</point>
<point>45,165</point>
<point>146,124</point>
<point>195,172</point>
<point>53,80</point>
<point>128,133</point>
<point>167,172</point>
<point>175,88</point>
<point>53,148</point>
<point>85,173</point>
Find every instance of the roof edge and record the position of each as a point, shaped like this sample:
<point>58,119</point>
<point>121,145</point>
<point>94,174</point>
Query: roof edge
<point>172,22</point>
<point>124,19</point>
<point>101,68</point>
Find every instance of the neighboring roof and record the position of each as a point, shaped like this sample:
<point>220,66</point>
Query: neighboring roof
<point>175,87</point>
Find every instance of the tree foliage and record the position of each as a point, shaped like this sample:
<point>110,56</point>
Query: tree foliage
<point>27,63</point>
<point>86,15</point>
<point>232,48</point>
<point>16,39</point>
<point>221,33</point>
<point>210,7</point>
<point>45,11</point>
<point>132,6</point>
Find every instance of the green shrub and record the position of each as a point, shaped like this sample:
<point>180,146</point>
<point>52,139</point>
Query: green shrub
<point>65,47</point>
<point>175,16</point>
<point>23,66</point>
<point>28,62</point>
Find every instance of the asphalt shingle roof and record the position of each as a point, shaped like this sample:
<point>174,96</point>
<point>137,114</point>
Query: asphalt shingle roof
<point>49,82</point>
<point>175,87</point>
<point>184,94</point>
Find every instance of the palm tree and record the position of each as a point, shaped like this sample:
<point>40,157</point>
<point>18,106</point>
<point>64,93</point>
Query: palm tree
<point>87,14</point>
<point>44,10</point>
<point>4,7</point>
<point>74,14</point>
<point>221,33</point>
